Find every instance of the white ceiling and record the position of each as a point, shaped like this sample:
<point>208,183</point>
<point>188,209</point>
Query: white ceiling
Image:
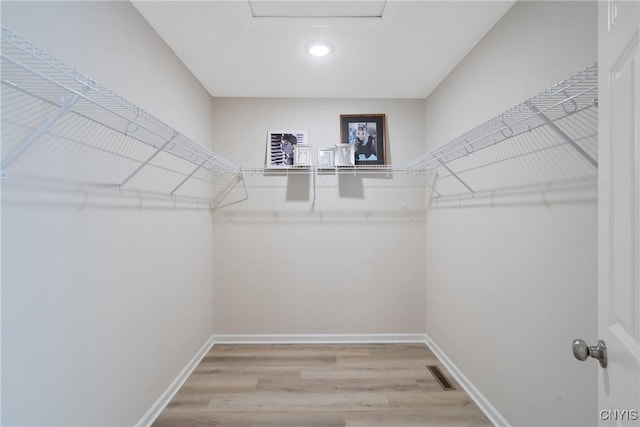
<point>382,49</point>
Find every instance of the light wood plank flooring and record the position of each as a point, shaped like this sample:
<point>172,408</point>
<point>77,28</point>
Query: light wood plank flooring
<point>319,385</point>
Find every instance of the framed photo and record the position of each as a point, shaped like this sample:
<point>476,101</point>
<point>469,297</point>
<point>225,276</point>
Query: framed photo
<point>302,155</point>
<point>280,147</point>
<point>345,155</point>
<point>325,158</point>
<point>366,133</point>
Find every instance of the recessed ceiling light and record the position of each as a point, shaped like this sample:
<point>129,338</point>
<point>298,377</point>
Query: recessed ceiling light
<point>319,49</point>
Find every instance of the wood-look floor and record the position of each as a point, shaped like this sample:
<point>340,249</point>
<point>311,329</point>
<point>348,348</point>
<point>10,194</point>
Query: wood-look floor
<point>319,385</point>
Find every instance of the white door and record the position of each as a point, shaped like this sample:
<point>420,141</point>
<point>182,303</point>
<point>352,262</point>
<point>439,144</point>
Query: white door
<point>619,211</point>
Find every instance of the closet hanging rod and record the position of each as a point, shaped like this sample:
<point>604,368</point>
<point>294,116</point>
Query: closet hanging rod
<point>576,91</point>
<point>32,70</point>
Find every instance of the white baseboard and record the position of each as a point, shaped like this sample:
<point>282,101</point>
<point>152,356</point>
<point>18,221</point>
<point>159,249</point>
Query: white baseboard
<point>318,338</point>
<point>489,410</point>
<point>158,406</point>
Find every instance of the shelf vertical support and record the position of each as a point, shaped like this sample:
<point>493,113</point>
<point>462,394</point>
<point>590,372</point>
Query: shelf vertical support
<point>562,134</point>
<point>146,162</point>
<point>313,202</point>
<point>41,130</point>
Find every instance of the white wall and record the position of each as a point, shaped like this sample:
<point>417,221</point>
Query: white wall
<point>103,305</point>
<point>349,264</point>
<point>105,296</point>
<point>510,286</point>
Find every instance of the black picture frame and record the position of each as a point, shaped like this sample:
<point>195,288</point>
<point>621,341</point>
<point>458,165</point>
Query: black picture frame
<point>370,149</point>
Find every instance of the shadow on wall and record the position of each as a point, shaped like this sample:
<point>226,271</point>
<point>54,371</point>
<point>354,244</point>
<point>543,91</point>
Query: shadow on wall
<point>337,195</point>
<point>350,184</point>
<point>322,216</point>
<point>579,191</point>
<point>63,194</point>
<point>299,187</point>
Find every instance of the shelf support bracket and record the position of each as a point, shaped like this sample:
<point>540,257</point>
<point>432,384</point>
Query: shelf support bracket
<point>41,130</point>
<point>146,162</point>
<point>244,184</point>
<point>456,177</point>
<point>563,135</point>
<point>190,175</point>
<point>221,196</point>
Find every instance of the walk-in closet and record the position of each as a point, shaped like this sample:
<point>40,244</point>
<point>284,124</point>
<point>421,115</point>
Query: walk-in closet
<point>164,264</point>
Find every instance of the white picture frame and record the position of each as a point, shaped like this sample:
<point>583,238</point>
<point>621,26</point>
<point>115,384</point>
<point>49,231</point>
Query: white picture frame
<point>280,147</point>
<point>345,155</point>
<point>326,158</point>
<point>302,155</point>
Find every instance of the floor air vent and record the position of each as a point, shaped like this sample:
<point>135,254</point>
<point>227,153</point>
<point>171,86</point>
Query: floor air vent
<point>440,377</point>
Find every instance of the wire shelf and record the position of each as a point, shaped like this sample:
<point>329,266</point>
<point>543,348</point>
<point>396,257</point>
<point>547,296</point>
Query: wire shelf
<point>44,96</point>
<point>315,169</point>
<point>563,99</point>
<point>549,138</point>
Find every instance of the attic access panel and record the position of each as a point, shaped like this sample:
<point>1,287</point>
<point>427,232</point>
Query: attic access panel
<point>317,9</point>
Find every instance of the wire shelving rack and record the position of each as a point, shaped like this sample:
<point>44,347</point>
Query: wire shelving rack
<point>563,115</point>
<point>42,96</point>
